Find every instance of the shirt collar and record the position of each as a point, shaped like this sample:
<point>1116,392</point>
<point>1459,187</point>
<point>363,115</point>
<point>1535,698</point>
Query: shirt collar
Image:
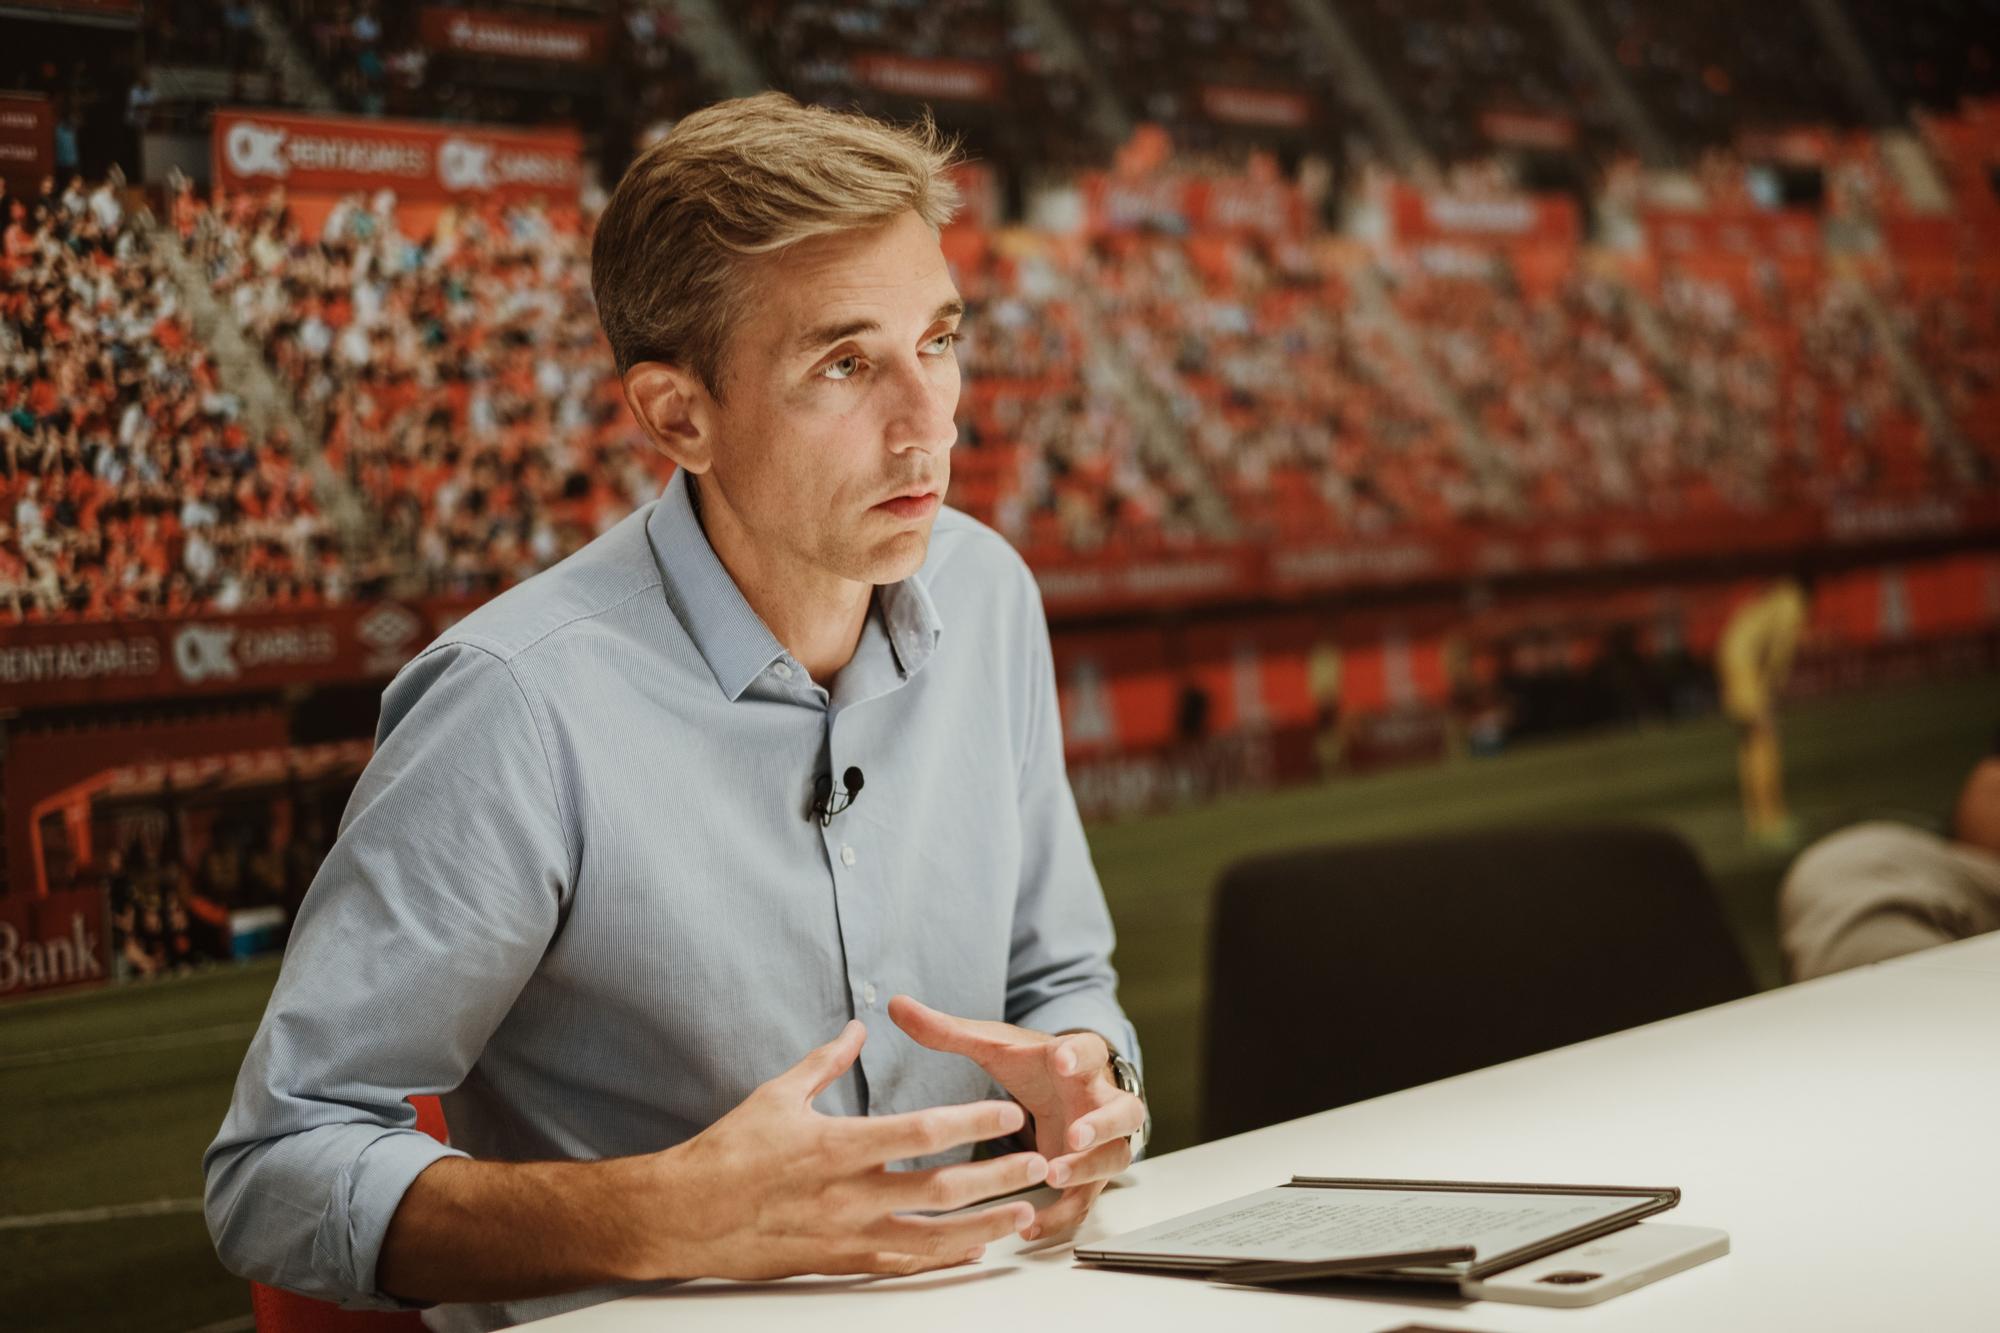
<point>731,637</point>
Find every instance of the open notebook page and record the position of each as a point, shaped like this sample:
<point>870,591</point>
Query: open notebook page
<point>1292,1223</point>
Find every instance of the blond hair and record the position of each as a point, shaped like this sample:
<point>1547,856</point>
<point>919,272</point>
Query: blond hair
<point>734,181</point>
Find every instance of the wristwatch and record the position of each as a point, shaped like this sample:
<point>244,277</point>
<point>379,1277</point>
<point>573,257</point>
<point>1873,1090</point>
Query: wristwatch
<point>1126,1075</point>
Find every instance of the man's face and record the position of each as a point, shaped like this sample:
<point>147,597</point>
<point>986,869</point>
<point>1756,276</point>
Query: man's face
<point>838,389</point>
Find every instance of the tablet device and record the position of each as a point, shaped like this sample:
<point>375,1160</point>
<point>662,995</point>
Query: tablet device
<point>1441,1231</point>
<point>1602,1268</point>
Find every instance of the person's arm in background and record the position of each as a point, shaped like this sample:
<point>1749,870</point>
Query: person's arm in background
<point>433,908</point>
<point>1881,889</point>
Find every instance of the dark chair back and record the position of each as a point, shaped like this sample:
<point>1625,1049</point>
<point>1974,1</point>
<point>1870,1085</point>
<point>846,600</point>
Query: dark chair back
<point>1343,972</point>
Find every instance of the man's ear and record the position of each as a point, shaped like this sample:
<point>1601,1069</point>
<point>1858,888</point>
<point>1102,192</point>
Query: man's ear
<point>675,410</point>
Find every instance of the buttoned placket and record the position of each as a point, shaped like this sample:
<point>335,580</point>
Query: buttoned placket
<point>873,675</point>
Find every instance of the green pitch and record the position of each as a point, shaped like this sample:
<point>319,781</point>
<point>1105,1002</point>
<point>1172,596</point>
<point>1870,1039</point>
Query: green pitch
<point>111,1096</point>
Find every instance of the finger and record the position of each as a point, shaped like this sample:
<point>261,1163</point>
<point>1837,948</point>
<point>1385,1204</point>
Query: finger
<point>946,1187</point>
<point>952,1236</point>
<point>894,1263</point>
<point>823,1064</point>
<point>1100,1163</point>
<point>1120,1117</point>
<point>1078,1053</point>
<point>1066,1212</point>
<point>891,1138</point>
<point>937,1030</point>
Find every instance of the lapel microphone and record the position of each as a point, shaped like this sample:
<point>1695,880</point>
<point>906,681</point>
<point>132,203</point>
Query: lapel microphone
<point>825,795</point>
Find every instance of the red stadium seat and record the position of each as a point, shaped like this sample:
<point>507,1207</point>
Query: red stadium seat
<point>279,1311</point>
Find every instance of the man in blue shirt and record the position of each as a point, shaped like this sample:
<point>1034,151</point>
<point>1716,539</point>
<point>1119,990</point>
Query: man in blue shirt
<point>776,759</point>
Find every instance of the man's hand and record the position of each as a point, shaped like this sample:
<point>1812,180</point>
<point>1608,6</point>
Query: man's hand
<point>1083,1119</point>
<point>775,1188</point>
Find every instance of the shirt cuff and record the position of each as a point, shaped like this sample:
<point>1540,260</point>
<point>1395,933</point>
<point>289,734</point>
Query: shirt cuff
<point>1092,1012</point>
<point>365,1197</point>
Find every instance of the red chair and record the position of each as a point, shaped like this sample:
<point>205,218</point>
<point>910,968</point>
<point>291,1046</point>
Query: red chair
<point>278,1311</point>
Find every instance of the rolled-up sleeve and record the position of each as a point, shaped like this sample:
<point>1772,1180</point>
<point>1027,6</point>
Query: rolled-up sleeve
<point>1060,975</point>
<point>435,904</point>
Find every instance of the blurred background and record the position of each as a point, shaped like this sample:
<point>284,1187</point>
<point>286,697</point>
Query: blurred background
<point>1423,417</point>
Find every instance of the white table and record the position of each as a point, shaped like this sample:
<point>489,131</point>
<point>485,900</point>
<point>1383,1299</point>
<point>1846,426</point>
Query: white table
<point>1845,1132</point>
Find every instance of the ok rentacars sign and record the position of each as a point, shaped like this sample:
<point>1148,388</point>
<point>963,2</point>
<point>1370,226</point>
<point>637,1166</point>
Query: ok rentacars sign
<point>1082,1118</point>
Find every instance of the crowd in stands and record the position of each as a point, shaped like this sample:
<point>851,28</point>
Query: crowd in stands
<point>1016,106</point>
<point>130,486</point>
<point>1180,64</point>
<point>1955,335</point>
<point>1125,391</point>
<point>1707,70</point>
<point>1298,409</point>
<point>376,63</point>
<point>1932,53</point>
<point>200,32</point>
<point>1050,452</point>
<point>457,378</point>
<point>1699,403</point>
<point>375,58</point>
<point>1450,63</point>
<point>654,77</point>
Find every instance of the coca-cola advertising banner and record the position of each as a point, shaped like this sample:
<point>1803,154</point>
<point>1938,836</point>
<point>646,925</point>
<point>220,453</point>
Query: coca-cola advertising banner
<point>27,139</point>
<point>1266,107</point>
<point>257,150</point>
<point>944,80</point>
<point>477,32</point>
<point>1180,204</point>
<point>1422,217</point>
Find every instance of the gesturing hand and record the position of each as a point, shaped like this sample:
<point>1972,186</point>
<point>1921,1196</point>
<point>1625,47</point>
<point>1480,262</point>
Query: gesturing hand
<point>775,1188</point>
<point>1083,1119</point>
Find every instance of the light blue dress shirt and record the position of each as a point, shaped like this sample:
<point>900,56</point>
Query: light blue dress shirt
<point>576,890</point>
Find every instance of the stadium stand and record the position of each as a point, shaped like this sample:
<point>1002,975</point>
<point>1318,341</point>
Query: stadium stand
<point>1215,73</point>
<point>562,63</point>
<point>1709,70</point>
<point>972,63</point>
<point>1933,53</point>
<point>1137,381</point>
<point>129,484</point>
<point>1298,411</point>
<point>1049,455</point>
<point>1465,71</point>
<point>197,33</point>
<point>458,378</point>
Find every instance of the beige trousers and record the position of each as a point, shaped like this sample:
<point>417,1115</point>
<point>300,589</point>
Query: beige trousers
<point>1879,890</point>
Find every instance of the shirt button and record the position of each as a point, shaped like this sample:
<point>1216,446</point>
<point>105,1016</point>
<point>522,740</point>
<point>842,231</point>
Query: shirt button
<point>784,672</point>
<point>846,855</point>
<point>868,994</point>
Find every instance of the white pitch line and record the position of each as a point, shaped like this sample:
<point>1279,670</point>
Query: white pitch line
<point>110,1212</point>
<point>160,1041</point>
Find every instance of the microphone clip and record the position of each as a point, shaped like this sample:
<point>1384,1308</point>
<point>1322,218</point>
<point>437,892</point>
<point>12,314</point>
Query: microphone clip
<point>825,795</point>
